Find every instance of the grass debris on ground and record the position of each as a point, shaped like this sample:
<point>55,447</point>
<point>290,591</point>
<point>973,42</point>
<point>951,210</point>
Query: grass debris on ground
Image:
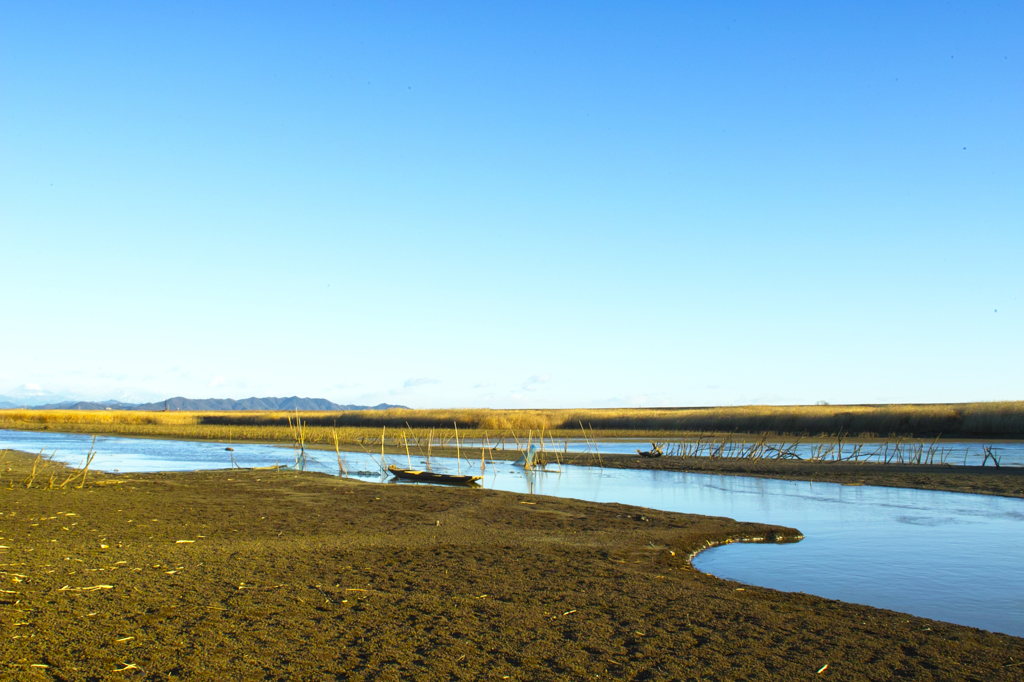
<point>279,575</point>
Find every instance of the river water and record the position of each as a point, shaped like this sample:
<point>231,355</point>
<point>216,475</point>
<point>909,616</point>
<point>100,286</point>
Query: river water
<point>948,556</point>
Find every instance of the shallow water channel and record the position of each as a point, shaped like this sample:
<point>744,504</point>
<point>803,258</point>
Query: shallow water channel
<point>948,556</point>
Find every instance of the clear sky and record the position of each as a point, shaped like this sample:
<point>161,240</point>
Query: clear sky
<point>513,204</point>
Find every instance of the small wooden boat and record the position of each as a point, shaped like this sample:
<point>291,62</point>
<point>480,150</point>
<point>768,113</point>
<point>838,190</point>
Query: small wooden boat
<point>431,477</point>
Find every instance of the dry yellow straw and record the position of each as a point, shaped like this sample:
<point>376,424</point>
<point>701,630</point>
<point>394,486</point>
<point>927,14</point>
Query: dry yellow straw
<point>458,456</point>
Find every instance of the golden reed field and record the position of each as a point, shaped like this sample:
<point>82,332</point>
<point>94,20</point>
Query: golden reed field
<point>992,420</point>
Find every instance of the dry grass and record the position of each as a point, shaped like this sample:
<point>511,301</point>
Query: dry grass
<point>111,417</point>
<point>981,420</point>
<point>964,420</point>
<point>958,420</point>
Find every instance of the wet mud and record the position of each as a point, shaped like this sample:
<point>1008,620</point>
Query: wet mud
<point>275,575</point>
<point>1005,481</point>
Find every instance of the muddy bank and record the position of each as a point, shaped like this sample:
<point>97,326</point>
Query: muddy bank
<point>1006,481</point>
<point>271,575</point>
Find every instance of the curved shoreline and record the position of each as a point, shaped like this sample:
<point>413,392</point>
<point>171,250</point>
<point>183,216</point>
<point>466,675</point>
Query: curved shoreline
<point>709,544</point>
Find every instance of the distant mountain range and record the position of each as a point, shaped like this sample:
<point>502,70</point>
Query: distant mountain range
<point>208,405</point>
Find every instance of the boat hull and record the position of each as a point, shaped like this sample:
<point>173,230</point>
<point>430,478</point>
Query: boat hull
<point>431,477</point>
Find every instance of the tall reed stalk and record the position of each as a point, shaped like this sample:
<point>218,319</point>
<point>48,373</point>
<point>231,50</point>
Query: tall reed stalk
<point>337,451</point>
<point>458,454</point>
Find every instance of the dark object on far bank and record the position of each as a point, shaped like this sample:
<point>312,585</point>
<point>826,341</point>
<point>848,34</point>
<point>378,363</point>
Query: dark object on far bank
<point>655,451</point>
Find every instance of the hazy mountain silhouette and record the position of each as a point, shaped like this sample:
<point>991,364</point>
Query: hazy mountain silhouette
<point>211,405</point>
<point>28,400</point>
<point>85,405</point>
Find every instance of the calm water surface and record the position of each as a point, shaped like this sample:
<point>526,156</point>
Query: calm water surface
<point>947,556</point>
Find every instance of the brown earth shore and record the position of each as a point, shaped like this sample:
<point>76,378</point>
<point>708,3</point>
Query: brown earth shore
<point>1005,481</point>
<point>274,575</point>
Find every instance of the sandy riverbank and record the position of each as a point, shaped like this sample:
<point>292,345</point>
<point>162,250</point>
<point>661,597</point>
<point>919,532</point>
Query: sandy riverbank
<point>272,575</point>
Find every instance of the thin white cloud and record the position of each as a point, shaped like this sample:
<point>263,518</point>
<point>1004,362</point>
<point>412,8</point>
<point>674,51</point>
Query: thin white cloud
<point>345,386</point>
<point>421,381</point>
<point>534,382</point>
<point>30,389</point>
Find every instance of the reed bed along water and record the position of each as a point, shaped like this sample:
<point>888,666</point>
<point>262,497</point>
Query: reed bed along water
<point>983,420</point>
<point>953,420</point>
<point>557,446</point>
<point>884,451</point>
<point>817,433</point>
<point>964,420</point>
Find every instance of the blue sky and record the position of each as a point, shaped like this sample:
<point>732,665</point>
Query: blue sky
<point>513,204</point>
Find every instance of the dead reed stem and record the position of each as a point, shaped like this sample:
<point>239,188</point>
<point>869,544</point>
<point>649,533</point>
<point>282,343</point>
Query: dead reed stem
<point>85,469</point>
<point>458,454</point>
<point>35,463</point>
<point>337,451</point>
<point>430,443</point>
